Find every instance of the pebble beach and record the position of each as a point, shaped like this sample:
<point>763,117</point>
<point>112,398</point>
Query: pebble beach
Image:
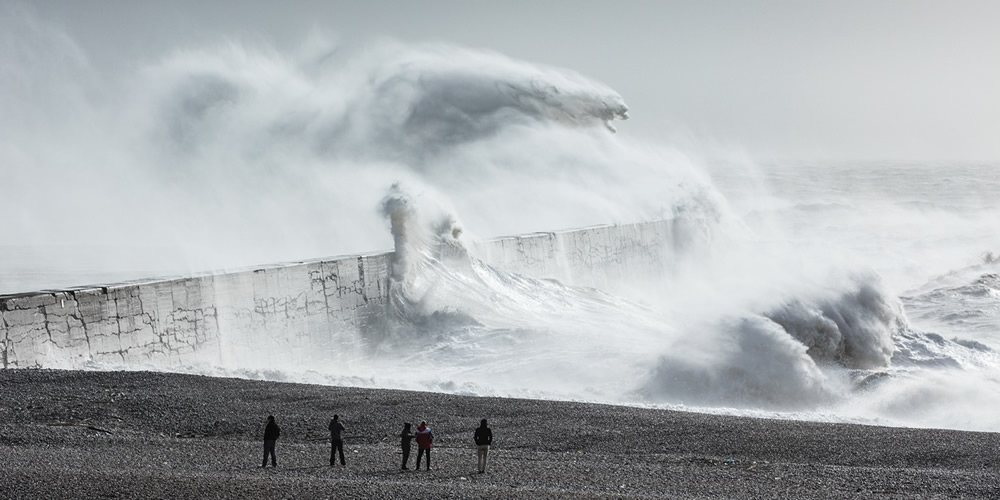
<point>86,434</point>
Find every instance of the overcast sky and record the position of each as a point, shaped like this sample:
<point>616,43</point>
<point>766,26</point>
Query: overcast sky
<point>878,80</point>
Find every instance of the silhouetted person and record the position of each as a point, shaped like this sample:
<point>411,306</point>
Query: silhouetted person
<point>271,434</point>
<point>483,437</point>
<point>424,440</point>
<point>405,438</point>
<point>336,440</point>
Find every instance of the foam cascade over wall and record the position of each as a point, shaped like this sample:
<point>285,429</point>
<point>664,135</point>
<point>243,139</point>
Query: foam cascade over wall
<point>298,312</point>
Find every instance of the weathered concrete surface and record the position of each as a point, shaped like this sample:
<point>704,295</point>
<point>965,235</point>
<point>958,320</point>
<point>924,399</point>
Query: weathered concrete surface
<point>300,312</point>
<point>600,256</point>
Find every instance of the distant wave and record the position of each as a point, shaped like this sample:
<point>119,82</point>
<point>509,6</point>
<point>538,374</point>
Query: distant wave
<point>964,301</point>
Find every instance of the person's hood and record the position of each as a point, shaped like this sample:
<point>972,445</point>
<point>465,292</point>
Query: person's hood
<point>422,427</point>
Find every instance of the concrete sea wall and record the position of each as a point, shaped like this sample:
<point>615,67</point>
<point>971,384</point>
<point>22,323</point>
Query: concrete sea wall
<point>298,312</point>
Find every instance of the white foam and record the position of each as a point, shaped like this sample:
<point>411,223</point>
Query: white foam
<point>783,302</point>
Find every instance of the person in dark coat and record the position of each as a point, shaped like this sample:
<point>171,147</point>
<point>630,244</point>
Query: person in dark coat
<point>336,440</point>
<point>271,434</point>
<point>405,438</point>
<point>425,438</point>
<point>483,438</point>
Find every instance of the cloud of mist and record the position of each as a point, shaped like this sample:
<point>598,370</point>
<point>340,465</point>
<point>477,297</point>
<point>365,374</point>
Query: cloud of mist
<point>238,153</point>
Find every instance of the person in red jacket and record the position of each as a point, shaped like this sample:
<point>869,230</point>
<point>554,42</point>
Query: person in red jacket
<point>425,438</point>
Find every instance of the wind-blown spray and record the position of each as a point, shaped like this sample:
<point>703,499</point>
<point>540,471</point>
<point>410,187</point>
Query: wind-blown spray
<point>235,154</point>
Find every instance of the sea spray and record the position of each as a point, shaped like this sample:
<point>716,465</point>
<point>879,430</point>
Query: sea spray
<point>236,153</point>
<point>854,329</point>
<point>212,146</point>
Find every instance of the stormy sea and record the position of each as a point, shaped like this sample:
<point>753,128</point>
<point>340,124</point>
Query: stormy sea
<point>843,291</point>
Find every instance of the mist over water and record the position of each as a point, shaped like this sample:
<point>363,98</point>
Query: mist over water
<point>859,292</point>
<point>237,154</point>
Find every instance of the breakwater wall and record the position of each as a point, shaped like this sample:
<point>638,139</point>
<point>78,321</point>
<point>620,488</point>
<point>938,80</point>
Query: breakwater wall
<point>296,312</point>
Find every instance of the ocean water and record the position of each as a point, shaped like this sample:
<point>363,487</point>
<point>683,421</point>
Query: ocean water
<point>842,291</point>
<point>853,292</point>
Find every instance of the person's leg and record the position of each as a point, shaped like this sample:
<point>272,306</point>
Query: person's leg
<point>333,451</point>
<point>406,456</point>
<point>479,459</point>
<point>428,459</point>
<point>340,449</point>
<point>486,454</point>
<point>269,450</point>
<point>420,455</point>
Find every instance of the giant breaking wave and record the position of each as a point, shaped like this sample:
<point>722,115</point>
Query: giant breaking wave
<point>239,153</point>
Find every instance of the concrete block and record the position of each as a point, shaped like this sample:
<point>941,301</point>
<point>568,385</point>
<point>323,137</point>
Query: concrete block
<point>28,318</point>
<point>376,273</point>
<point>3,341</point>
<point>348,285</point>
<point>330,276</point>
<point>315,293</point>
<point>28,301</point>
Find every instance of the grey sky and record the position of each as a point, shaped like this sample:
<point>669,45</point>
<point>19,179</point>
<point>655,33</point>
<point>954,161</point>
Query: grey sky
<point>908,80</point>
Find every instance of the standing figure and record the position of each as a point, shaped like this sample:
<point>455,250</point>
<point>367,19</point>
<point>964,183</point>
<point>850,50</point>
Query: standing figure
<point>271,434</point>
<point>336,440</point>
<point>406,437</point>
<point>424,440</point>
<point>483,437</point>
